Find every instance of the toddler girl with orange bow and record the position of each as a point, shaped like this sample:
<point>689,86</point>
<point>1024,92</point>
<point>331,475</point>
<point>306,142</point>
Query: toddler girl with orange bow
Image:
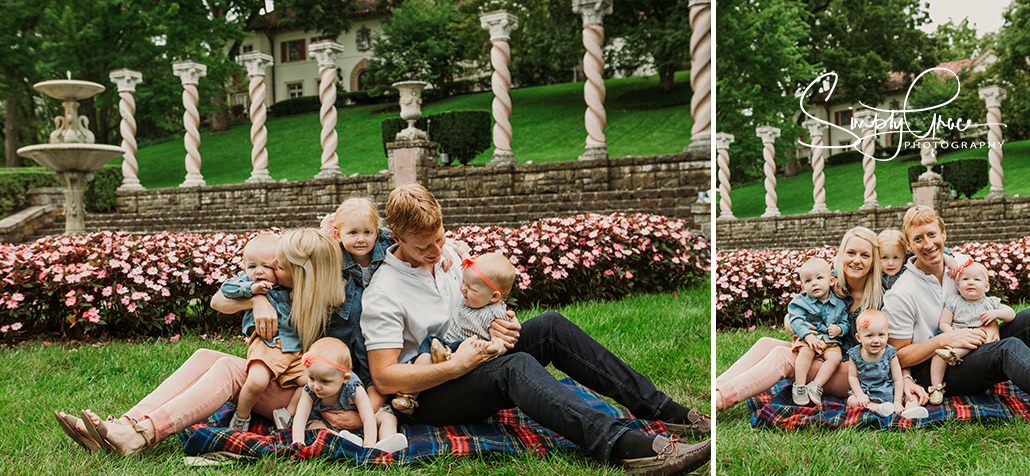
<point>332,386</point>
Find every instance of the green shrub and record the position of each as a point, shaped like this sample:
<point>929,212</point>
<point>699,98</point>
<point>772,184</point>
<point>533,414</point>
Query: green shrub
<point>462,134</point>
<point>291,107</point>
<point>966,176</point>
<point>16,182</point>
<point>99,196</point>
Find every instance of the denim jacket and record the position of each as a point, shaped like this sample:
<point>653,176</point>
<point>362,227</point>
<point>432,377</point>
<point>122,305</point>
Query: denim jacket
<point>348,330</point>
<point>352,271</point>
<point>238,287</point>
<point>804,309</point>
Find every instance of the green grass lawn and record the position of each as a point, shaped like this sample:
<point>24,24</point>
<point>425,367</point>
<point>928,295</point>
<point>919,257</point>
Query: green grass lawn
<point>845,192</point>
<point>960,448</point>
<point>665,336</point>
<point>547,123</point>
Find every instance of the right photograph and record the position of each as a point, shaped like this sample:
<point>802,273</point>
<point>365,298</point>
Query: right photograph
<point>872,295</point>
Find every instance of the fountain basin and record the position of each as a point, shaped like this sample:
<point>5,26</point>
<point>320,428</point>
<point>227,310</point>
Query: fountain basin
<point>71,157</point>
<point>69,89</point>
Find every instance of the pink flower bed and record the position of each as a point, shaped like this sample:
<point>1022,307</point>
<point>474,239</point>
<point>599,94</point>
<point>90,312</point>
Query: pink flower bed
<point>756,286</point>
<point>156,284</point>
<point>583,257</point>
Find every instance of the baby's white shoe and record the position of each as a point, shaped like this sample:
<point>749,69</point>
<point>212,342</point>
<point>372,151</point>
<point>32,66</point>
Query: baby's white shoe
<point>885,409</point>
<point>239,424</point>
<point>282,418</point>
<point>800,393</point>
<point>351,437</point>
<point>392,443</point>
<point>915,412</point>
<point>815,394</point>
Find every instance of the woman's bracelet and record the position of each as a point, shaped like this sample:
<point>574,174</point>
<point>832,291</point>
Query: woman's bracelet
<point>909,376</point>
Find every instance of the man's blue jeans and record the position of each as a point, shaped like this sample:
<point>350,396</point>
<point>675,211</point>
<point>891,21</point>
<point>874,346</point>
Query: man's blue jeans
<point>1006,359</point>
<point>520,379</point>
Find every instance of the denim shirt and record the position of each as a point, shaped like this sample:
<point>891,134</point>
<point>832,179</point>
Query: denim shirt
<point>804,309</point>
<point>352,271</point>
<point>238,287</point>
<point>348,330</point>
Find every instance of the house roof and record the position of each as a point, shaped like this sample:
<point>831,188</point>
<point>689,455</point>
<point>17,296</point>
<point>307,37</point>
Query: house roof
<point>270,20</point>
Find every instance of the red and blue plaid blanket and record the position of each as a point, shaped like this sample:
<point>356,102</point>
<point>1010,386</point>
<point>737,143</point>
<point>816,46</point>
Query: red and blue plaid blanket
<point>775,408</point>
<point>509,431</point>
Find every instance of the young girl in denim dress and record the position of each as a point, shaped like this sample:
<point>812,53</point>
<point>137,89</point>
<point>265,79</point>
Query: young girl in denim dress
<point>874,371</point>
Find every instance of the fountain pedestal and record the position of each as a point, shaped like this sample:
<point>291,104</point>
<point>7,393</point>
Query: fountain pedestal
<point>71,153</point>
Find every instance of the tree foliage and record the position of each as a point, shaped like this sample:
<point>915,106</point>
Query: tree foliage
<point>760,62</point>
<point>419,42</point>
<point>654,31</point>
<point>1013,70</point>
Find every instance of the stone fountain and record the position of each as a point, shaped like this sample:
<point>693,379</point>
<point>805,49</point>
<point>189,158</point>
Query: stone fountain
<point>71,153</point>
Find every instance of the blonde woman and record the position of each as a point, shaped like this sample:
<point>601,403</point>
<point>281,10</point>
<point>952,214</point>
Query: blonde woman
<point>309,261</point>
<point>771,360</point>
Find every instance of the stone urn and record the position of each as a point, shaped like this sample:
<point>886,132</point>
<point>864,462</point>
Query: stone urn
<point>71,153</point>
<point>411,108</point>
<point>928,158</point>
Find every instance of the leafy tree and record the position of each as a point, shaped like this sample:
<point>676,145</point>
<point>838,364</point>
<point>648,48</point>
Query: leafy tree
<point>934,89</point>
<point>655,30</point>
<point>19,47</point>
<point>864,41</point>
<point>760,63</point>
<point>961,41</point>
<point>419,41</point>
<point>1013,69</point>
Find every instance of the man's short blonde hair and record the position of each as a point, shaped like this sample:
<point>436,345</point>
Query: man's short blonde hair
<point>920,215</point>
<point>412,210</point>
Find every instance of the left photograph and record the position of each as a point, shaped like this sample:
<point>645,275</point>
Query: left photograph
<point>421,236</point>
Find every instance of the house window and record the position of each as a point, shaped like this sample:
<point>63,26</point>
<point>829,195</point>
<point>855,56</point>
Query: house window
<point>843,118</point>
<point>246,48</point>
<point>364,39</point>
<point>292,51</point>
<point>295,90</point>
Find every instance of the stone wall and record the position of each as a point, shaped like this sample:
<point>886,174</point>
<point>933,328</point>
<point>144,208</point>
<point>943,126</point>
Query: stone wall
<point>471,195</point>
<point>967,220</point>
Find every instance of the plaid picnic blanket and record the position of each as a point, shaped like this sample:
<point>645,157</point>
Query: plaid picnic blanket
<point>509,431</point>
<point>775,408</point>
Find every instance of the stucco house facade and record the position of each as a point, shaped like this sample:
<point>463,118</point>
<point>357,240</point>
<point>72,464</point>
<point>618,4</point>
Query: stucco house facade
<point>293,73</point>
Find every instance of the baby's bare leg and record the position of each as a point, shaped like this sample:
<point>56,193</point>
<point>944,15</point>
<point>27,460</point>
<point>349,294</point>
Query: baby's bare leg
<point>832,358</point>
<point>258,376</point>
<point>937,368</point>
<point>801,365</point>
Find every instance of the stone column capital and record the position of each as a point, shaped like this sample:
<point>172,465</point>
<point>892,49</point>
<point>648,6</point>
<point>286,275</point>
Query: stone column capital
<point>723,140</point>
<point>867,116</point>
<point>500,23</point>
<point>189,72</point>
<point>767,133</point>
<point>815,127</point>
<point>126,79</point>
<point>256,62</point>
<point>993,95</point>
<point>694,3</point>
<point>325,52</point>
<point>593,11</point>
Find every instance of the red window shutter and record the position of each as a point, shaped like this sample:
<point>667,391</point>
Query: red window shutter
<point>303,54</point>
<point>285,54</point>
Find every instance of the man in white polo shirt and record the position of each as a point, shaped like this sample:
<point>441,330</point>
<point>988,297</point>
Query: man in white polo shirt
<point>913,307</point>
<point>411,297</point>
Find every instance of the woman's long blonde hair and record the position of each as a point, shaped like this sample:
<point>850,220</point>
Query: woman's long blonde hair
<point>872,295</point>
<point>318,285</point>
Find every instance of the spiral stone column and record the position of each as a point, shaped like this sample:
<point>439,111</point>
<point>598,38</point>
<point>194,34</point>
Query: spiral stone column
<point>701,75</point>
<point>126,80</point>
<point>501,23</point>
<point>325,52</point>
<point>722,144</point>
<point>768,134</point>
<point>256,63</point>
<point>994,95</point>
<point>593,12</point>
<point>868,120</point>
<point>190,73</point>
<point>815,130</point>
